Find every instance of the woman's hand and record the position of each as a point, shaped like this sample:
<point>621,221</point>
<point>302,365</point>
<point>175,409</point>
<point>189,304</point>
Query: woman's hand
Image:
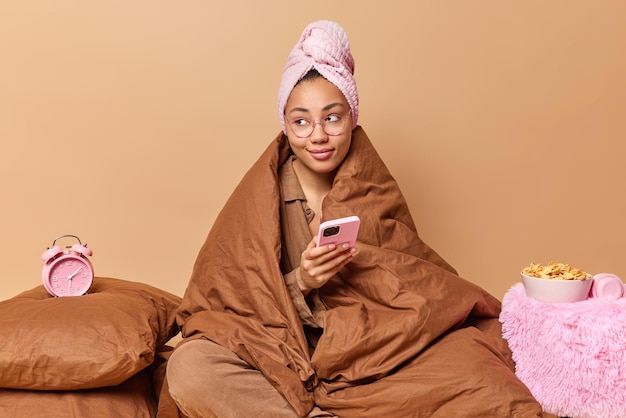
<point>319,264</point>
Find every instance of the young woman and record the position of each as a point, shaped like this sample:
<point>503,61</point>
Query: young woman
<point>275,325</point>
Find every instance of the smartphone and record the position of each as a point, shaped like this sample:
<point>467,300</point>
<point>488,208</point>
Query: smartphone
<point>339,231</point>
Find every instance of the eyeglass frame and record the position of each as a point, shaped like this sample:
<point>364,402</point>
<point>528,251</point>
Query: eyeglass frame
<point>315,122</point>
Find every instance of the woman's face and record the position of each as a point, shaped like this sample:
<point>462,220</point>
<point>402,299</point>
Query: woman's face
<point>318,100</point>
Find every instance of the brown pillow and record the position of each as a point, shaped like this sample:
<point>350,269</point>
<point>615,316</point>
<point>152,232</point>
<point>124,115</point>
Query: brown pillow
<point>96,340</point>
<point>133,398</point>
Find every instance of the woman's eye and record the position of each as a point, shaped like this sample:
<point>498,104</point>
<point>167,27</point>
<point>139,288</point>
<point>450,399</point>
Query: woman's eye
<point>333,118</point>
<point>301,122</point>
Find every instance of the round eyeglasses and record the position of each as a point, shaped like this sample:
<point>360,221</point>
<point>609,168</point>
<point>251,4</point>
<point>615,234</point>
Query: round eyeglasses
<point>333,124</point>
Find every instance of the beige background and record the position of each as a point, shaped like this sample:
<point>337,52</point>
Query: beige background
<point>128,123</point>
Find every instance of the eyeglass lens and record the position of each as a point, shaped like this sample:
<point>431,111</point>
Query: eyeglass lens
<point>333,126</point>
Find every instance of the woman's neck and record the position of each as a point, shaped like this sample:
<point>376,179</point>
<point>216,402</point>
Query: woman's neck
<point>317,183</point>
<point>315,187</point>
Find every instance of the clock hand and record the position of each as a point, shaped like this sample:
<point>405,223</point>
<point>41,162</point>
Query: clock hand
<point>71,276</point>
<point>74,274</point>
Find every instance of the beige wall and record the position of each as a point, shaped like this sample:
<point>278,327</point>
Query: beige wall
<point>128,123</point>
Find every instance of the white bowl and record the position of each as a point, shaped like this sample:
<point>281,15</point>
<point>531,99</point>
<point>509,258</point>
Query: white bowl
<point>555,290</point>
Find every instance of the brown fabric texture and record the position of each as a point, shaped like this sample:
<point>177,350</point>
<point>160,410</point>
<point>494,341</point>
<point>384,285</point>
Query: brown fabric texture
<point>91,341</point>
<point>404,335</point>
<point>132,398</point>
<point>167,408</point>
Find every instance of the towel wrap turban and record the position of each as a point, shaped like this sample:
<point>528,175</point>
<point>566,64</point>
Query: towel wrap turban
<point>323,46</point>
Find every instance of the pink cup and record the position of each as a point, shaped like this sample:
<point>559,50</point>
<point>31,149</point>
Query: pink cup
<point>607,284</point>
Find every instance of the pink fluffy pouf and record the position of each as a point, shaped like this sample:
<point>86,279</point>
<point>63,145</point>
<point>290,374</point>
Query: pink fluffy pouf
<point>572,356</point>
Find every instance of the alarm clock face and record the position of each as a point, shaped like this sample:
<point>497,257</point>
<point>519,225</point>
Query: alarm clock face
<point>68,275</point>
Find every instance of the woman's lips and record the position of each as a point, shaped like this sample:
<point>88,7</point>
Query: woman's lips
<point>321,154</point>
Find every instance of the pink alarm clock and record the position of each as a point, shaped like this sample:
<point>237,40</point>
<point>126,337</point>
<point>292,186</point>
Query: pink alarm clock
<point>67,272</point>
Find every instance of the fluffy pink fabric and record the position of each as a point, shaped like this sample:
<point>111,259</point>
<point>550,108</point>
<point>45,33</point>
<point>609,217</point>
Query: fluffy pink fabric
<point>572,356</point>
<point>324,46</point>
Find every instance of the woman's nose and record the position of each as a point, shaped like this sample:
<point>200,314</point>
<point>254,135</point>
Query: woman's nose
<point>318,134</point>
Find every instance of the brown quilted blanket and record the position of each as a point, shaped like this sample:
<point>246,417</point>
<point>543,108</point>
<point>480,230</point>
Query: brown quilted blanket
<point>404,335</point>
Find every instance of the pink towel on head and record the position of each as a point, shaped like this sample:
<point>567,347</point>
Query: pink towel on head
<point>323,45</point>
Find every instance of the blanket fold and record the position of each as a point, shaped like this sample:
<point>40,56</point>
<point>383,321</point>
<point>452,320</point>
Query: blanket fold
<point>400,322</point>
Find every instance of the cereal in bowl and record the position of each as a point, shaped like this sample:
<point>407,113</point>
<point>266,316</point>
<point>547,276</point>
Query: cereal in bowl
<point>555,271</point>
